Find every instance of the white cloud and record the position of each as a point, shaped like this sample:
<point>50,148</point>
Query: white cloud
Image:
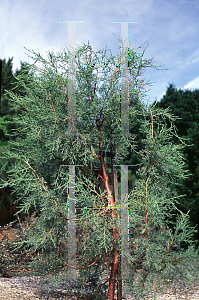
<point>161,96</point>
<point>193,84</point>
<point>193,58</point>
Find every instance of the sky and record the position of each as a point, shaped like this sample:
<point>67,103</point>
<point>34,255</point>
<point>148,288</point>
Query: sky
<point>171,29</point>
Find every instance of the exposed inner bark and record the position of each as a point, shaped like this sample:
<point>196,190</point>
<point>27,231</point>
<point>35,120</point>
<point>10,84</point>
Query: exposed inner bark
<point>111,200</point>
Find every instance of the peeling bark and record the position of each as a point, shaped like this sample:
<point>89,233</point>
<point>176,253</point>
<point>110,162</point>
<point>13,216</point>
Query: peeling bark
<point>111,201</point>
<point>114,270</point>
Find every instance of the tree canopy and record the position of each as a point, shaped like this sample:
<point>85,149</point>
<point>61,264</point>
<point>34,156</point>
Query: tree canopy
<point>48,162</point>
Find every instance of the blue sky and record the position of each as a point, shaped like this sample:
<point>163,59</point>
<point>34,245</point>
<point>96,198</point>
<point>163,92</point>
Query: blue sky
<point>170,27</point>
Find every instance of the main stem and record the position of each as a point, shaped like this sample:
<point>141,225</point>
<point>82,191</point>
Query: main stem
<point>115,196</point>
<point>115,265</point>
<point>114,270</point>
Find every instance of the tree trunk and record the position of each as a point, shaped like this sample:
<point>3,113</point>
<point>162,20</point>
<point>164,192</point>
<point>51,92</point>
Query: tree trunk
<point>114,270</point>
<point>115,267</point>
<point>119,284</point>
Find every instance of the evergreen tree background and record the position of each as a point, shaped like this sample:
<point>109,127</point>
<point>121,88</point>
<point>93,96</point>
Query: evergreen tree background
<point>185,104</point>
<point>7,123</point>
<point>37,177</point>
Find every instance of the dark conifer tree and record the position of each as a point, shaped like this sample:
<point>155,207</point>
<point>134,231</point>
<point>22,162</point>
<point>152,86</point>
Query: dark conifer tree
<point>185,105</point>
<point>8,113</point>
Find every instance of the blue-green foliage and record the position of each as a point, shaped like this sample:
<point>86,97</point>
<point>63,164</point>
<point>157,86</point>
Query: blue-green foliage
<point>41,179</point>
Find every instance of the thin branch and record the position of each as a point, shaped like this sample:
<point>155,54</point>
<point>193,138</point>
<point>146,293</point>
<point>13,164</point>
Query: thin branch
<point>49,99</point>
<point>80,268</point>
<point>151,122</point>
<point>146,214</point>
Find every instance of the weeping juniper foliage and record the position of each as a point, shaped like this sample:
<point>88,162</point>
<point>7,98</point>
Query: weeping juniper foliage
<point>40,174</point>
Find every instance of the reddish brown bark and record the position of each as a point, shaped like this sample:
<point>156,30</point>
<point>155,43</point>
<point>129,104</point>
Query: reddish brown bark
<point>114,272</point>
<point>119,287</point>
<point>115,265</point>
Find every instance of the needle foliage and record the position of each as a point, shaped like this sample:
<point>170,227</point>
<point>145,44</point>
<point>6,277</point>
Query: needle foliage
<point>40,173</point>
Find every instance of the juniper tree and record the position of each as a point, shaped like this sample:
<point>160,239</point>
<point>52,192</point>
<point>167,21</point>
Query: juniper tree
<point>40,175</point>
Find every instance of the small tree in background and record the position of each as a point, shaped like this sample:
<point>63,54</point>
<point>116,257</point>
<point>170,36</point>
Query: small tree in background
<point>40,176</point>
